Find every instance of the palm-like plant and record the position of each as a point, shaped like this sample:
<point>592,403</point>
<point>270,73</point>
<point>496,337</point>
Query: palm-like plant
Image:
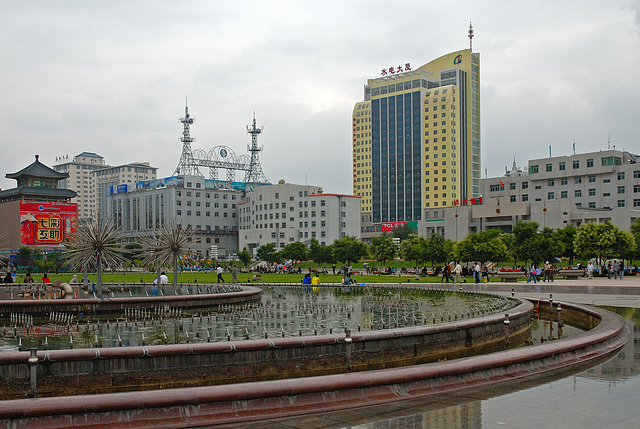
<point>96,244</point>
<point>164,247</point>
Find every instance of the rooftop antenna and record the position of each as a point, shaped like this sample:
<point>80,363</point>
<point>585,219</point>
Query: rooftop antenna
<point>187,164</point>
<point>574,146</point>
<point>470,36</point>
<point>254,173</point>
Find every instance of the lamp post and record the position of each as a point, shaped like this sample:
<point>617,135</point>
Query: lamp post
<point>456,216</point>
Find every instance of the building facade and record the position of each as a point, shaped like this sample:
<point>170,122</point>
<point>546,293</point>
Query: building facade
<point>185,200</point>
<point>92,179</point>
<point>286,213</point>
<point>37,212</point>
<point>416,139</point>
<point>554,192</point>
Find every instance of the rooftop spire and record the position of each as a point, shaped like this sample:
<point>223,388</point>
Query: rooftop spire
<point>470,36</point>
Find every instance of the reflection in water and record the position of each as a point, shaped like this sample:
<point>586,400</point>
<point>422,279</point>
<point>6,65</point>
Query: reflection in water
<point>605,395</point>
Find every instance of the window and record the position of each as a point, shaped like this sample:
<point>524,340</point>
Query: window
<point>636,174</point>
<point>621,203</point>
<point>512,198</point>
<point>562,166</point>
<point>589,162</point>
<point>549,167</point>
<point>577,180</point>
<point>636,188</point>
<point>621,190</point>
<point>636,202</point>
<point>564,194</point>
<point>525,197</point>
<point>551,182</point>
<point>578,193</point>
<point>533,169</point>
<point>621,175</point>
<point>512,186</point>
<point>592,192</point>
<point>564,181</point>
<point>576,164</point>
<point>592,179</point>
<point>592,204</point>
<point>525,185</point>
<point>551,196</point>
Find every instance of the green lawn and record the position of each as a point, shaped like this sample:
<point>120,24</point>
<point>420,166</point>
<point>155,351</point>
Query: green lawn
<point>210,277</point>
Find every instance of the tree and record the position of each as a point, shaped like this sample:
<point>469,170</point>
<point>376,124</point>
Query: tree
<point>96,244</point>
<point>567,236</point>
<point>349,249</point>
<point>549,244</point>
<point>267,252</point>
<point>602,241</point>
<point>244,257</point>
<point>403,232</point>
<point>383,249</point>
<point>483,246</point>
<point>165,247</point>
<point>439,249</point>
<point>320,254</point>
<point>524,242</point>
<point>414,249</point>
<point>25,258</point>
<point>635,231</point>
<point>296,251</point>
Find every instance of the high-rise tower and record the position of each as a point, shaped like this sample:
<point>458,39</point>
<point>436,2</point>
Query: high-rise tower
<point>416,138</point>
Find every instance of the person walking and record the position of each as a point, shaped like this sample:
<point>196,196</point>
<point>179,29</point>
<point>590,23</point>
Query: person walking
<point>476,272</point>
<point>446,273</point>
<point>234,274</point>
<point>458,271</point>
<point>219,272</point>
<point>590,270</point>
<point>532,273</point>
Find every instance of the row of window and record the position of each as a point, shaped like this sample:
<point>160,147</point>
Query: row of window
<point>207,213</point>
<point>562,166</point>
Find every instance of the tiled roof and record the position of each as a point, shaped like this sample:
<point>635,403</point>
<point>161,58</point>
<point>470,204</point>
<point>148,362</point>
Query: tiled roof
<point>37,169</point>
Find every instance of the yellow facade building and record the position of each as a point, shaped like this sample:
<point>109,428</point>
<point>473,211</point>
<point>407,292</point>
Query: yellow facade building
<point>416,138</point>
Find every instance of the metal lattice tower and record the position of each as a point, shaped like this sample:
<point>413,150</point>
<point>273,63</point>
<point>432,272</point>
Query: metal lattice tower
<point>187,164</point>
<point>254,174</point>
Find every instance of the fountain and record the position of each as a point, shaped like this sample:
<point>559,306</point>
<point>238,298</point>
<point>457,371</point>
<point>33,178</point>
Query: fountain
<point>384,337</point>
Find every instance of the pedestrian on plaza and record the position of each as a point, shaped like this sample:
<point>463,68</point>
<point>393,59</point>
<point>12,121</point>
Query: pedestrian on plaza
<point>615,267</point>
<point>234,274</point>
<point>476,272</point>
<point>446,273</point>
<point>621,269</point>
<point>485,273</point>
<point>45,279</point>
<point>8,278</point>
<point>532,273</point>
<point>28,278</point>
<point>590,270</point>
<point>219,272</point>
<point>546,271</point>
<point>458,271</point>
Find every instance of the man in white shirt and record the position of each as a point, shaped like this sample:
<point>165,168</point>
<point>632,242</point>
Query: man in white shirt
<point>219,271</point>
<point>458,271</point>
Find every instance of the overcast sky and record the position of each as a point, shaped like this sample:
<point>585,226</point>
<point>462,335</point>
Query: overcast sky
<point>111,77</point>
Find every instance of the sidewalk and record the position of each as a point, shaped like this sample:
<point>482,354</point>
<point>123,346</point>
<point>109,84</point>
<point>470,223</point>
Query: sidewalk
<point>597,291</point>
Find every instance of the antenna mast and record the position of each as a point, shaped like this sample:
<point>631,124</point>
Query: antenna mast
<point>187,164</point>
<point>470,36</point>
<point>254,174</point>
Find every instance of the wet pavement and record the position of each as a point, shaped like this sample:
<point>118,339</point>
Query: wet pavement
<point>606,395</point>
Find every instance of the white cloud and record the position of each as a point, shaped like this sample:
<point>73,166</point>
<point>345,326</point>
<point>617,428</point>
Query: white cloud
<point>112,77</point>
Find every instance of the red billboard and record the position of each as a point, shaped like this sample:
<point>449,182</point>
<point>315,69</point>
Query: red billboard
<point>46,223</point>
<point>390,226</point>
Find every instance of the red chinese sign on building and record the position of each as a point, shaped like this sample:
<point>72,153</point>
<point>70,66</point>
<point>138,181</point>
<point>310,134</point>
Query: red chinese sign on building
<point>394,70</point>
<point>46,223</point>
<point>390,226</point>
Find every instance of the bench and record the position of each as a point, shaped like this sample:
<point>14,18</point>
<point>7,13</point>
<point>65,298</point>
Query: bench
<point>511,276</point>
<point>571,274</point>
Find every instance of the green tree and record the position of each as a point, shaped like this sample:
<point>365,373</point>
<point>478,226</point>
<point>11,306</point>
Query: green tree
<point>635,231</point>
<point>567,236</point>
<point>602,241</point>
<point>414,249</point>
<point>296,251</point>
<point>267,252</point>
<point>25,258</point>
<point>383,249</point>
<point>319,253</point>
<point>483,246</point>
<point>439,249</point>
<point>403,232</point>
<point>244,257</point>
<point>349,249</point>
<point>550,246</point>
<point>525,242</point>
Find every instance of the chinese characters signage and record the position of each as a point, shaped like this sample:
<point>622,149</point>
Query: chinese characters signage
<point>394,70</point>
<point>45,223</point>
<point>390,226</point>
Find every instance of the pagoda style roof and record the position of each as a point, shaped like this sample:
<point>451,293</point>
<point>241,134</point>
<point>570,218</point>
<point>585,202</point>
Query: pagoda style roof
<point>31,193</point>
<point>37,169</point>
<point>89,155</point>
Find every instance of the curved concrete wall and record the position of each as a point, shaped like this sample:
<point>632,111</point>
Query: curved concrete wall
<point>202,406</point>
<point>105,370</point>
